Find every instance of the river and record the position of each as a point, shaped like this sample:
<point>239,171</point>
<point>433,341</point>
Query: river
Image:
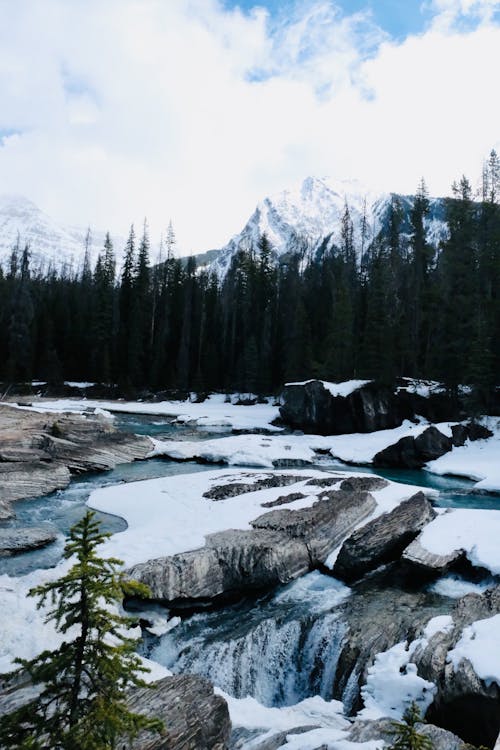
<point>281,647</point>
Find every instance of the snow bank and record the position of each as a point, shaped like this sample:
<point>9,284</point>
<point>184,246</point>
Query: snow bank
<point>475,531</point>
<point>245,450</point>
<point>214,411</point>
<point>479,644</point>
<point>478,460</point>
<point>393,684</point>
<point>266,450</point>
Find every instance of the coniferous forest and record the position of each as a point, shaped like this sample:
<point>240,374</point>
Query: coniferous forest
<point>395,306</point>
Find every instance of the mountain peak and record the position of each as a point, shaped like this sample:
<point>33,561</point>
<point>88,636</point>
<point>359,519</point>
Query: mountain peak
<point>309,213</point>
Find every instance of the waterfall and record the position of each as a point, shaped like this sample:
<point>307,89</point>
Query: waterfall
<point>277,663</point>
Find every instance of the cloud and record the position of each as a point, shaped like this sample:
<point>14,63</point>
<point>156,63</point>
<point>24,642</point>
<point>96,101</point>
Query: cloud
<point>116,110</point>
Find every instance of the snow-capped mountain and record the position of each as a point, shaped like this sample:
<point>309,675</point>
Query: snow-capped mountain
<point>51,242</point>
<point>308,218</point>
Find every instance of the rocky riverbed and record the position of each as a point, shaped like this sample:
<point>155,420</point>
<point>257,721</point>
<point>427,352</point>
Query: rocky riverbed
<point>39,452</point>
<point>209,539</point>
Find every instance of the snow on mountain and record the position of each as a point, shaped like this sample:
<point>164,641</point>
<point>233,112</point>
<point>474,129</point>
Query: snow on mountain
<point>308,218</point>
<point>52,243</point>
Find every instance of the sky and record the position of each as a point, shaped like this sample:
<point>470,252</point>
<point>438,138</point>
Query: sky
<point>194,110</point>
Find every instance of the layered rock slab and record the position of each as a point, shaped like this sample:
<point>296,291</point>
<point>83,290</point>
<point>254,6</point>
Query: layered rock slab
<point>16,540</point>
<point>194,717</point>
<point>383,539</point>
<point>282,545</point>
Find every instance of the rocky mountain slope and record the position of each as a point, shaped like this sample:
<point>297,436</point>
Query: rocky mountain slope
<point>51,242</point>
<point>308,219</point>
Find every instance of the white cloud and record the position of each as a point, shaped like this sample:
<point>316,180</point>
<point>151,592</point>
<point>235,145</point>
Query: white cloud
<point>179,109</point>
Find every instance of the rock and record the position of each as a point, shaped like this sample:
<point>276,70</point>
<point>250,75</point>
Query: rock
<point>282,545</point>
<point>464,703</point>
<point>382,729</point>
<point>22,479</point>
<point>16,540</point>
<point>194,717</point>
<point>383,539</point>
<point>413,453</point>
<point>240,738</point>
<point>431,444</point>
<point>459,435</point>
<point>38,451</point>
<point>284,500</point>
<point>322,526</point>
<point>430,563</point>
<point>363,484</point>
<point>477,431</point>
<point>312,408</point>
<point>234,489</point>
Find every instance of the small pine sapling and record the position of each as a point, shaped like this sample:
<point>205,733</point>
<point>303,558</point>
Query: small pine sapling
<point>405,734</point>
<point>82,684</point>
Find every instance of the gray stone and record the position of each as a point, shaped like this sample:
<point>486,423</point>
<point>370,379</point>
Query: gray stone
<point>312,408</point>
<point>383,539</point>
<point>429,562</point>
<point>282,545</point>
<point>413,452</point>
<point>234,489</point>
<point>39,451</point>
<point>16,540</point>
<point>194,717</point>
<point>382,729</point>
<point>241,737</point>
<point>363,484</point>
<point>21,479</point>
<point>322,526</point>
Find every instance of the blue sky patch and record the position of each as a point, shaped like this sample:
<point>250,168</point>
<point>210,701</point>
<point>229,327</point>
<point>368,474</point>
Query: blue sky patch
<point>397,18</point>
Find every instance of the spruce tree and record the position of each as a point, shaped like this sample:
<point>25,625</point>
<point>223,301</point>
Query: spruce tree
<point>405,733</point>
<point>83,684</point>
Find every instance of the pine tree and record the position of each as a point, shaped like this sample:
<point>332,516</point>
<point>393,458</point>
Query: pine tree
<point>83,684</point>
<point>405,733</point>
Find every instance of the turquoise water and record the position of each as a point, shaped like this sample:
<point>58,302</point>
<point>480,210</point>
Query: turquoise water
<point>60,510</point>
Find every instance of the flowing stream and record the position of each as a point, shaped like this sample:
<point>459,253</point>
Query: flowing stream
<point>280,648</point>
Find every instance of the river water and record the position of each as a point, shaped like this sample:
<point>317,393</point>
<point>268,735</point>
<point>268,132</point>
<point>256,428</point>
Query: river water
<point>280,648</point>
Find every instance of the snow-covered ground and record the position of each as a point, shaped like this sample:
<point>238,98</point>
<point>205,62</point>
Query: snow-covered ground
<point>264,450</point>
<point>475,531</point>
<point>164,516</point>
<point>479,460</point>
<point>479,644</point>
<point>213,412</point>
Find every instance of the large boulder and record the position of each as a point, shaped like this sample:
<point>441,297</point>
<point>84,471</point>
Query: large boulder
<point>282,545</point>
<point>383,729</point>
<point>383,539</point>
<point>194,717</point>
<point>414,452</point>
<point>16,540</point>
<point>427,563</point>
<point>464,703</point>
<point>38,452</point>
<point>312,407</point>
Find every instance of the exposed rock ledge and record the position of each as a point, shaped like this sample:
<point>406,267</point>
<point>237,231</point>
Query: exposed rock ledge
<point>14,541</point>
<point>282,545</point>
<point>194,717</point>
<point>39,452</point>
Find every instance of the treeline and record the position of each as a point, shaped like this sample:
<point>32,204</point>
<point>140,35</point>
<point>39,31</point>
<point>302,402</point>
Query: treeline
<point>393,306</point>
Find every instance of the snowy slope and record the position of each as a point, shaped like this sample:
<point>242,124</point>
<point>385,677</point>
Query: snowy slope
<point>51,242</point>
<point>308,218</point>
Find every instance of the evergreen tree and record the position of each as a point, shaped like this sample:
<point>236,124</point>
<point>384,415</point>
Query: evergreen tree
<point>83,684</point>
<point>405,733</point>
